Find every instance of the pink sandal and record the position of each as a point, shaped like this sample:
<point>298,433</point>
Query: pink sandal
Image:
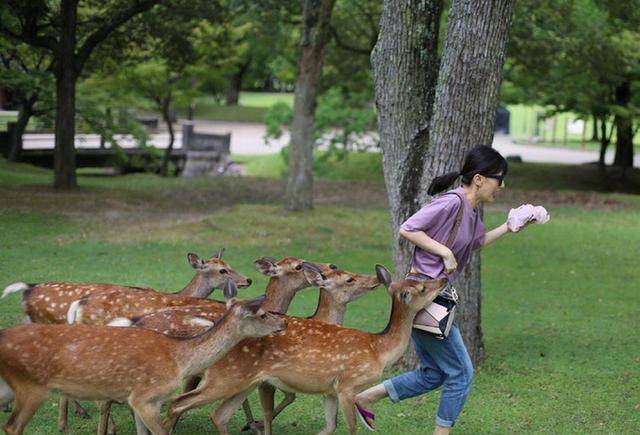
<point>365,414</point>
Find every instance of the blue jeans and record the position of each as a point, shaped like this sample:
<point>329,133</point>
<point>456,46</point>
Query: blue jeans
<point>443,362</point>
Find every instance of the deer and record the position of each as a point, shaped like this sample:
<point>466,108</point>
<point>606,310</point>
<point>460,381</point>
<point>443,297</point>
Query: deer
<point>49,302</point>
<point>312,357</point>
<point>134,365</point>
<point>287,278</point>
<point>162,313</point>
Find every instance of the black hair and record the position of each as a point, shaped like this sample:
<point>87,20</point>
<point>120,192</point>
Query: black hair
<point>481,159</point>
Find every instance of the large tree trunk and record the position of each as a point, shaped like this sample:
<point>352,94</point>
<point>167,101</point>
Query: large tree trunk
<point>316,15</point>
<point>405,70</point>
<point>464,115</point>
<point>64,163</point>
<point>624,129</point>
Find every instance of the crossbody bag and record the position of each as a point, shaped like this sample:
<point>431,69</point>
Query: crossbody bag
<point>437,317</point>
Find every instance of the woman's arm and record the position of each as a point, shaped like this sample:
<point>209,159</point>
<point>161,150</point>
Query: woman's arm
<point>422,241</point>
<point>495,234</point>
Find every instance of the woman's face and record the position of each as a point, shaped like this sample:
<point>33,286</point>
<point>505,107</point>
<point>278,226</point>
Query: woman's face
<point>489,186</point>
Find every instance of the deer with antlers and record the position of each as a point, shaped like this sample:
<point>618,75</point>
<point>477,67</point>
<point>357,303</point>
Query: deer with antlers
<point>138,366</point>
<point>312,357</point>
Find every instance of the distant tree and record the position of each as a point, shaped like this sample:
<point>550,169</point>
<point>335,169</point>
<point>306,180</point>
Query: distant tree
<point>28,83</point>
<point>314,35</point>
<point>581,56</point>
<point>70,33</point>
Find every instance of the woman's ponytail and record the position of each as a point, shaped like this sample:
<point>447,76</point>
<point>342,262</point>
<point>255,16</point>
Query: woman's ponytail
<point>442,182</point>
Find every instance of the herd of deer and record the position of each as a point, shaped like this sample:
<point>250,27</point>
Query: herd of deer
<point>137,346</point>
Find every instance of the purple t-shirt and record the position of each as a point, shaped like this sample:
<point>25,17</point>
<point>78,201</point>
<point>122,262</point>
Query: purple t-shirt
<point>436,219</point>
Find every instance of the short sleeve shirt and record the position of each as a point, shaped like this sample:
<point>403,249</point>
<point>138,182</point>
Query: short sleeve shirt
<point>436,219</point>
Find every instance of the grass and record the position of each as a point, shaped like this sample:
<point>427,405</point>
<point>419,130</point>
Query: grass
<point>559,301</point>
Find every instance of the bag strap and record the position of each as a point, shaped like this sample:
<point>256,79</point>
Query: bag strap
<point>456,224</point>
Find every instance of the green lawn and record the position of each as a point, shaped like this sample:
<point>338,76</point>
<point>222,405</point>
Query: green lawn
<point>559,301</point>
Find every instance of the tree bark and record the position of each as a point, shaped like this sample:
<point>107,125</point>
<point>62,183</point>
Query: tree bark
<point>464,116</point>
<point>604,141</point>
<point>232,93</point>
<point>624,129</point>
<point>405,70</point>
<point>64,161</point>
<point>316,15</point>
<point>594,134</point>
<point>23,119</point>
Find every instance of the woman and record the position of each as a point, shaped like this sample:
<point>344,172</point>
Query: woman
<point>444,362</point>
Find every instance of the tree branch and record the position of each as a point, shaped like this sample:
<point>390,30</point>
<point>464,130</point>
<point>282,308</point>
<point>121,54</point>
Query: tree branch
<point>102,33</point>
<point>345,46</point>
<point>33,40</point>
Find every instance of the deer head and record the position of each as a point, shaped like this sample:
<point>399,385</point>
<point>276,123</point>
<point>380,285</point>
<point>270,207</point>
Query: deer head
<point>289,268</point>
<point>216,271</point>
<point>343,286</point>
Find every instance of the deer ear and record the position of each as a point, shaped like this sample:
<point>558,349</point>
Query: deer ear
<point>195,261</point>
<point>383,275</point>
<point>312,270</point>
<point>230,290</point>
<point>253,305</point>
<point>266,266</point>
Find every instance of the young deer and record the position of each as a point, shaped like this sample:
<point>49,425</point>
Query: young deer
<point>337,289</point>
<point>312,357</point>
<point>138,366</point>
<point>157,313</point>
<point>49,302</point>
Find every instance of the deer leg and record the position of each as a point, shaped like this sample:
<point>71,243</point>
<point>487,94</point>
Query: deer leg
<point>287,400</point>
<point>330,415</point>
<point>222,415</point>
<point>267,393</point>
<point>26,404</point>
<point>186,401</point>
<point>347,401</point>
<point>105,415</point>
<point>111,426</point>
<point>148,413</point>
<point>251,423</point>
<point>79,410</point>
<point>63,410</point>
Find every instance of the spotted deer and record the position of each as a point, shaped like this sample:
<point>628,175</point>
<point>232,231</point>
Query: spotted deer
<point>49,302</point>
<point>337,289</point>
<point>137,366</point>
<point>175,317</point>
<point>312,357</point>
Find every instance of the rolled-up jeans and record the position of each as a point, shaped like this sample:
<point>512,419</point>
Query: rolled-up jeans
<point>443,362</point>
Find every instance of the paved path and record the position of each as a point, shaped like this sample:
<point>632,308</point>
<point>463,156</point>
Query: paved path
<point>248,139</point>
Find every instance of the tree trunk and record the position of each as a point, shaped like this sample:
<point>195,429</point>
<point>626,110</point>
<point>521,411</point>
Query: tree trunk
<point>405,87</point>
<point>316,15</point>
<point>594,134</point>
<point>168,119</point>
<point>23,119</point>
<point>232,93</point>
<point>604,141</point>
<point>624,129</point>
<point>64,163</point>
<point>464,115</point>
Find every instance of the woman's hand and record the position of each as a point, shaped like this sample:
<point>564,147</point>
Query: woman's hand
<point>450,262</point>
